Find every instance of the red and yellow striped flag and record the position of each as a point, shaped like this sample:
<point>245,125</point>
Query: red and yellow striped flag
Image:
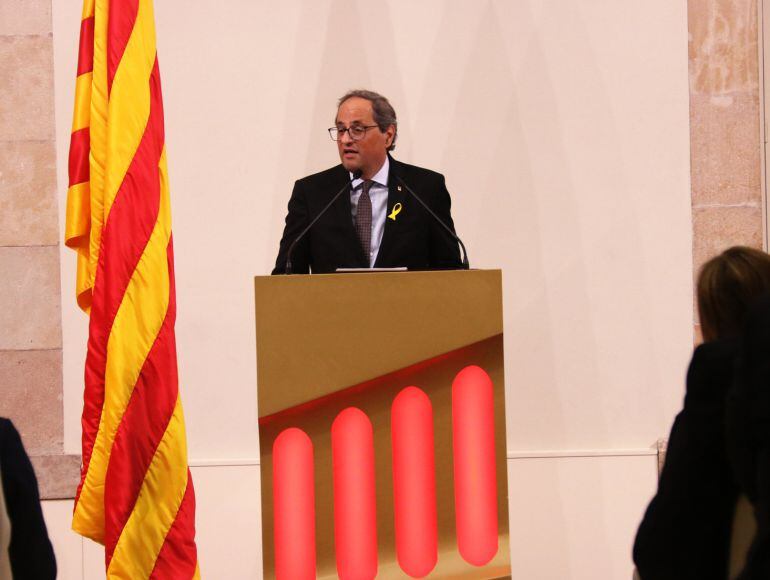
<point>136,494</point>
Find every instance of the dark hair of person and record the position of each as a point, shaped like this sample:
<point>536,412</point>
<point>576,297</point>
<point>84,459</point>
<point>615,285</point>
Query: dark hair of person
<point>382,111</point>
<point>727,286</point>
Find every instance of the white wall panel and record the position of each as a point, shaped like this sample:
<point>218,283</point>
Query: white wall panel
<point>228,521</point>
<point>576,517</point>
<point>67,545</point>
<point>93,561</point>
<point>562,127</point>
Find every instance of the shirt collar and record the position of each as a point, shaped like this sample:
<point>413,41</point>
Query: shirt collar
<point>380,177</point>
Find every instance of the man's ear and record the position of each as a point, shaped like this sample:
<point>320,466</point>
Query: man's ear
<point>391,132</point>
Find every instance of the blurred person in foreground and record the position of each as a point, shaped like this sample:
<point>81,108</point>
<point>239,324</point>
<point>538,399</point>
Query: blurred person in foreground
<point>686,530</point>
<point>748,433</point>
<point>25,550</point>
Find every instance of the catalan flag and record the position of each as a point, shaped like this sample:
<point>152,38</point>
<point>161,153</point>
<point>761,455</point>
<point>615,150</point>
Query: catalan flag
<point>136,495</point>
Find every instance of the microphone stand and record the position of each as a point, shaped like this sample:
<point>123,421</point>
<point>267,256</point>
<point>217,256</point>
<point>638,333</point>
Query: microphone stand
<point>455,237</point>
<point>288,269</point>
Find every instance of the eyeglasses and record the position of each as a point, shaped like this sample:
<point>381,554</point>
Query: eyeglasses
<point>356,132</point>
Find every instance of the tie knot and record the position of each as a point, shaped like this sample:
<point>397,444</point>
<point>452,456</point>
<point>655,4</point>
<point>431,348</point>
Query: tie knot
<point>367,185</point>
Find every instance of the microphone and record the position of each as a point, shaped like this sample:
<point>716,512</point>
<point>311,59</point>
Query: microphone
<point>356,175</point>
<point>455,237</point>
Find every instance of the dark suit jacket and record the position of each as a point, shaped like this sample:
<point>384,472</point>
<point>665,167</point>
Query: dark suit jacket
<point>30,551</point>
<point>413,239</point>
<point>685,533</point>
<point>748,433</point>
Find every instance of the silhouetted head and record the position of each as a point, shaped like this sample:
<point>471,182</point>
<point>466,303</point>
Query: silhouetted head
<point>728,285</point>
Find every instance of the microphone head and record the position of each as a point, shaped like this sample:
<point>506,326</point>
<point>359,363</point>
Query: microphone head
<point>357,174</point>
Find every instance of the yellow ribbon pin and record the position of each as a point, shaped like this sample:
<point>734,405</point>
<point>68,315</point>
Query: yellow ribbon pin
<point>395,212</point>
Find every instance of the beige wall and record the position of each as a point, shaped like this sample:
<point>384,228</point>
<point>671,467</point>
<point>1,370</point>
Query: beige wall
<point>565,143</point>
<point>564,131</point>
<point>566,148</point>
<point>30,315</point>
<point>29,236</point>
<point>726,147</point>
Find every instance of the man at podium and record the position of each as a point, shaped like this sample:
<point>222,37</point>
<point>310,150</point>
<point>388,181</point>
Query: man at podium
<point>371,211</point>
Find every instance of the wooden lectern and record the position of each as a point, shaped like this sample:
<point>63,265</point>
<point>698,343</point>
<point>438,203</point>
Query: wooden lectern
<point>326,343</point>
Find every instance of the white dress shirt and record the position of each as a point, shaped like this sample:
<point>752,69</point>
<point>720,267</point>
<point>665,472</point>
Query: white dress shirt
<point>378,193</point>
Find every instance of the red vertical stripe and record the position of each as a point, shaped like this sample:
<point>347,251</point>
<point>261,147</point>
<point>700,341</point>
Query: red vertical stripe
<point>142,426</point>
<point>355,519</point>
<point>414,484</point>
<point>80,147</point>
<point>293,506</point>
<point>128,228</point>
<point>178,557</point>
<point>125,235</point>
<point>86,48</point>
<point>475,478</point>
<point>122,16</point>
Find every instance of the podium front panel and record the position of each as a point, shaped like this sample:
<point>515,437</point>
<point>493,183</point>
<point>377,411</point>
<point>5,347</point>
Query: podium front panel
<point>333,346</point>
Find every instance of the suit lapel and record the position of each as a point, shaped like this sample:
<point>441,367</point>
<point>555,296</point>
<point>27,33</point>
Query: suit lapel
<point>395,195</point>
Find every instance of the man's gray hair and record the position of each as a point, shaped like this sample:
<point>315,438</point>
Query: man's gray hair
<point>383,112</point>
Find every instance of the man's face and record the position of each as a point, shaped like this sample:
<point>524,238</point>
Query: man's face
<point>367,154</point>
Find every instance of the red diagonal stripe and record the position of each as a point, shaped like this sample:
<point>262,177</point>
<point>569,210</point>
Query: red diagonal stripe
<point>119,26</point>
<point>178,557</point>
<point>80,146</point>
<point>142,426</point>
<point>86,49</point>
<point>125,235</point>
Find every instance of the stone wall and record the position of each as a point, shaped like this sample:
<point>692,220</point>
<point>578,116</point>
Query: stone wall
<point>30,311</point>
<point>725,146</point>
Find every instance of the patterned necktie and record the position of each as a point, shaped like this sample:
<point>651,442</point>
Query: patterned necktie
<point>364,220</point>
